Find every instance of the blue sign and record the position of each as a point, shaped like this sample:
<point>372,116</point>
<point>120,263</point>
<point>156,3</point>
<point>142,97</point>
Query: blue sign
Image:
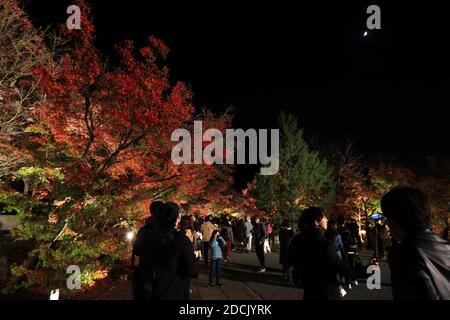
<point>376,216</point>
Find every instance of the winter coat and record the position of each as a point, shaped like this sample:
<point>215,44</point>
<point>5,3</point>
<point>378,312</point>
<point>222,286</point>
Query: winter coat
<point>420,267</point>
<point>248,228</point>
<point>240,232</point>
<point>285,235</point>
<point>207,229</point>
<point>261,233</point>
<point>216,248</point>
<point>316,264</point>
<point>170,257</point>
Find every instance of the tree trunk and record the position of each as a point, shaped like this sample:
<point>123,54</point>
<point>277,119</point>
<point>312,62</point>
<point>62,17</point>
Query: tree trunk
<point>25,187</point>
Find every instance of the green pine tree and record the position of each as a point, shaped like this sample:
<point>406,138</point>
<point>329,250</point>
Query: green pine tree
<point>303,179</point>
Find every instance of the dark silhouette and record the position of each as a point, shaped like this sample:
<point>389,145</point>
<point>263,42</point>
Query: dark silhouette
<point>167,259</point>
<point>150,225</point>
<point>445,233</point>
<point>294,256</point>
<point>349,238</point>
<point>370,232</point>
<point>380,239</point>
<point>227,234</point>
<point>261,235</point>
<point>419,260</point>
<point>240,235</point>
<point>335,240</point>
<point>315,258</point>
<point>286,234</point>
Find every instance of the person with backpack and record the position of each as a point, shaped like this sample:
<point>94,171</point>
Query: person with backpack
<point>167,258</point>
<point>419,260</point>
<point>216,244</point>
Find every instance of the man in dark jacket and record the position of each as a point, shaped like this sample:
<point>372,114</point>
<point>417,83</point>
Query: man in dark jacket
<point>261,235</point>
<point>168,259</point>
<point>419,260</point>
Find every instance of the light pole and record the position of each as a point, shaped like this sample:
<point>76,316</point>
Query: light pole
<point>376,216</point>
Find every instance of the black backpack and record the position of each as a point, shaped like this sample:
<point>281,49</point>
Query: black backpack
<point>164,265</point>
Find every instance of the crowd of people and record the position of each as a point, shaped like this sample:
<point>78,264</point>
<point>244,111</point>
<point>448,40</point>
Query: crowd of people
<point>319,255</point>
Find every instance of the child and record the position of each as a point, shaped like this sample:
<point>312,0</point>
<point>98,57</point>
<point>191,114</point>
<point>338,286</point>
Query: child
<point>215,243</point>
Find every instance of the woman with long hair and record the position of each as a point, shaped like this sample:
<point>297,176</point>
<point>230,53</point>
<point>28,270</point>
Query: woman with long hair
<point>216,244</point>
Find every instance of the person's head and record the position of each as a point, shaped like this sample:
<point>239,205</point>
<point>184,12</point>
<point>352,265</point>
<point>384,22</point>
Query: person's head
<point>301,223</point>
<point>286,223</point>
<point>248,219</point>
<point>331,232</point>
<point>407,211</point>
<point>168,215</point>
<point>214,235</point>
<point>207,218</point>
<point>256,219</point>
<point>314,218</point>
<point>155,208</point>
<point>340,220</point>
<point>185,222</point>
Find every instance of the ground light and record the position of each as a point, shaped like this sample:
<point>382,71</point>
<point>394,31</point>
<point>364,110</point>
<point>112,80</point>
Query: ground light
<point>130,235</point>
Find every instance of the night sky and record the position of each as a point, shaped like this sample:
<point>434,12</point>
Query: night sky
<point>389,92</point>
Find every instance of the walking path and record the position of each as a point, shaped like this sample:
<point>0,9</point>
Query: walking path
<point>241,282</point>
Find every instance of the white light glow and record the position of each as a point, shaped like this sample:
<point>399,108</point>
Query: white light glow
<point>54,294</point>
<point>130,235</point>
<point>365,33</point>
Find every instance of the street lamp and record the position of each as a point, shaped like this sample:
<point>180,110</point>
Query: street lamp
<point>376,216</point>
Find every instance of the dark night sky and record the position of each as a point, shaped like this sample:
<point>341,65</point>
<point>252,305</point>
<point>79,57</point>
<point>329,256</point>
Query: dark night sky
<point>389,91</point>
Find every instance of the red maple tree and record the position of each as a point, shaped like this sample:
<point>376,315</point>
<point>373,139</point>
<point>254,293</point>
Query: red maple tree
<point>101,143</point>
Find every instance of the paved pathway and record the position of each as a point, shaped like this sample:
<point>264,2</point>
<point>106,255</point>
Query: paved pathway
<point>242,282</point>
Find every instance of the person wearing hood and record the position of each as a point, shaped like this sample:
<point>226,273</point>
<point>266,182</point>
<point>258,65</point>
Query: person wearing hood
<point>419,260</point>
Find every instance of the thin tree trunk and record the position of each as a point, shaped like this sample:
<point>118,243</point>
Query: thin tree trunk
<point>25,187</point>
